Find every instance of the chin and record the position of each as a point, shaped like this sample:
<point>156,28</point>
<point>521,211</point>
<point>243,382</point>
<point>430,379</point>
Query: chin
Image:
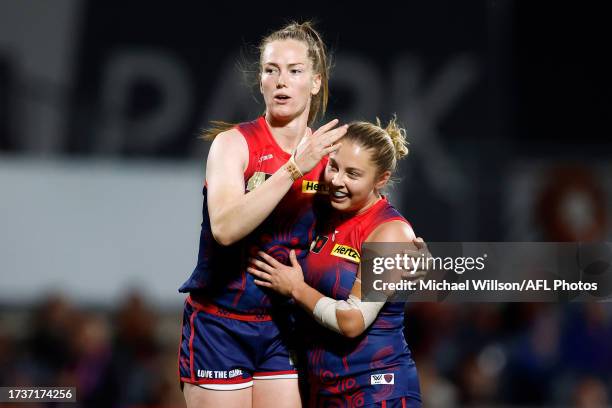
<point>344,207</point>
<point>336,206</point>
<point>285,113</point>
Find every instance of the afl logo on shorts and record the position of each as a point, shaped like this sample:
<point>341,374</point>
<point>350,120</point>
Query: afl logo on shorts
<point>318,244</point>
<point>378,379</point>
<point>312,187</point>
<point>346,252</point>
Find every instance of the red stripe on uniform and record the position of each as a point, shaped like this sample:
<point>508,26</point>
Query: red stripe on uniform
<point>383,404</point>
<point>210,308</point>
<point>178,366</point>
<point>345,363</point>
<point>193,315</point>
<point>270,373</point>
<point>403,402</point>
<point>242,286</point>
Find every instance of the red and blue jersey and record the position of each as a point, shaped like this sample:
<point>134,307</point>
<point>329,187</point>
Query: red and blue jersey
<point>377,365</point>
<point>220,273</point>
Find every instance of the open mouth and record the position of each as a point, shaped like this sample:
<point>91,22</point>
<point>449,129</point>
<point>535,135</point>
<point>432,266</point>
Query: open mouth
<point>339,195</point>
<point>282,98</point>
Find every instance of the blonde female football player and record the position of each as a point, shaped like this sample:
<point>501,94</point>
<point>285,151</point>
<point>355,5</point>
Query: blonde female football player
<point>356,351</point>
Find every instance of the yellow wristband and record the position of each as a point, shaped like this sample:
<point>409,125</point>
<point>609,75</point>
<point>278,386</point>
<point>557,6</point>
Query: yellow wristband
<point>293,170</point>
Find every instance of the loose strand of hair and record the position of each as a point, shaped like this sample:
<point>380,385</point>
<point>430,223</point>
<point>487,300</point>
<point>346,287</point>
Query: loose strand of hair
<point>216,127</point>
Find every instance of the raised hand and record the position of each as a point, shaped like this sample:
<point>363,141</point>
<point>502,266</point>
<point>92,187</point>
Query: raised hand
<point>314,146</point>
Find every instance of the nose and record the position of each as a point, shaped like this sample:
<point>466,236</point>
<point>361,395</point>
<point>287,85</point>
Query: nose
<point>281,81</point>
<point>337,180</point>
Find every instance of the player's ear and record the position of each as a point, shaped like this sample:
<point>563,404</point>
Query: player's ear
<point>260,84</point>
<point>383,179</point>
<point>316,84</point>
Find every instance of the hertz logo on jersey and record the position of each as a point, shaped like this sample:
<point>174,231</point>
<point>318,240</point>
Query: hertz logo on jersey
<point>346,252</point>
<point>312,187</point>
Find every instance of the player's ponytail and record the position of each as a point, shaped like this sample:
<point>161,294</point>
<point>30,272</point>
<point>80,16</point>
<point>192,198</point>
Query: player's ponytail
<point>398,137</point>
<point>321,66</point>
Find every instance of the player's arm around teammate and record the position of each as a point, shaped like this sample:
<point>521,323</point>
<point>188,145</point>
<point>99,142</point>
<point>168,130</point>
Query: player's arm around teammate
<point>349,318</point>
<point>355,177</point>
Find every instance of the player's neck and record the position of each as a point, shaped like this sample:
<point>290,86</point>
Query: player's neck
<point>288,134</point>
<point>375,198</point>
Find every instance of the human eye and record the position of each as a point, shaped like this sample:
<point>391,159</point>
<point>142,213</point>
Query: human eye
<point>297,71</point>
<point>270,70</point>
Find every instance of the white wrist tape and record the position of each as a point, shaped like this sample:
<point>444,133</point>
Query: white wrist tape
<point>325,311</point>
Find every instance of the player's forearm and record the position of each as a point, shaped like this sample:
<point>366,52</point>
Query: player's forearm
<point>306,296</point>
<point>349,323</point>
<point>238,218</point>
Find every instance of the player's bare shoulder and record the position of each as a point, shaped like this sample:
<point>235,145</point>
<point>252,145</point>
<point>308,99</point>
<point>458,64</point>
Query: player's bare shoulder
<point>230,140</point>
<point>392,231</point>
<point>229,144</point>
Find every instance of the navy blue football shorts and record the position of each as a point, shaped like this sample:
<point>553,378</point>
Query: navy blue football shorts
<point>225,350</point>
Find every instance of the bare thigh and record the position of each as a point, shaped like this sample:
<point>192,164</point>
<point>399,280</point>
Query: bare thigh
<point>198,397</point>
<point>280,393</point>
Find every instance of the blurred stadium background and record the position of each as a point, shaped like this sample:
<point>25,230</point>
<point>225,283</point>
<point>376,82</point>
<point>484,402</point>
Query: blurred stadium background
<point>507,106</point>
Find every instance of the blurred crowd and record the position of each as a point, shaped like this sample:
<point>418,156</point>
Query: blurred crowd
<point>121,358</point>
<point>494,354</point>
<point>513,354</point>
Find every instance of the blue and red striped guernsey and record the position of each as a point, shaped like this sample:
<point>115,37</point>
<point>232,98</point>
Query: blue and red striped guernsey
<point>220,274</point>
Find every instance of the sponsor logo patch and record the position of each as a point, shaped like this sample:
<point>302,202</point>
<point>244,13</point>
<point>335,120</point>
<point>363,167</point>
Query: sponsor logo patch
<point>382,379</point>
<point>318,244</point>
<point>346,252</point>
<point>312,187</point>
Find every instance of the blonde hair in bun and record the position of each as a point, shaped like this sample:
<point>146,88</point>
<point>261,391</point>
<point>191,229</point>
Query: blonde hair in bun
<point>388,144</point>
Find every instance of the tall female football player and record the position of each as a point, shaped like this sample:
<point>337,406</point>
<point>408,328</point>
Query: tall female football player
<point>259,193</point>
<point>357,354</point>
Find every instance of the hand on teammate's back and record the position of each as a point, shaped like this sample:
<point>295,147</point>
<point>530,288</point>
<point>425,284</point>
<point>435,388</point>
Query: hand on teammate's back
<point>422,267</point>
